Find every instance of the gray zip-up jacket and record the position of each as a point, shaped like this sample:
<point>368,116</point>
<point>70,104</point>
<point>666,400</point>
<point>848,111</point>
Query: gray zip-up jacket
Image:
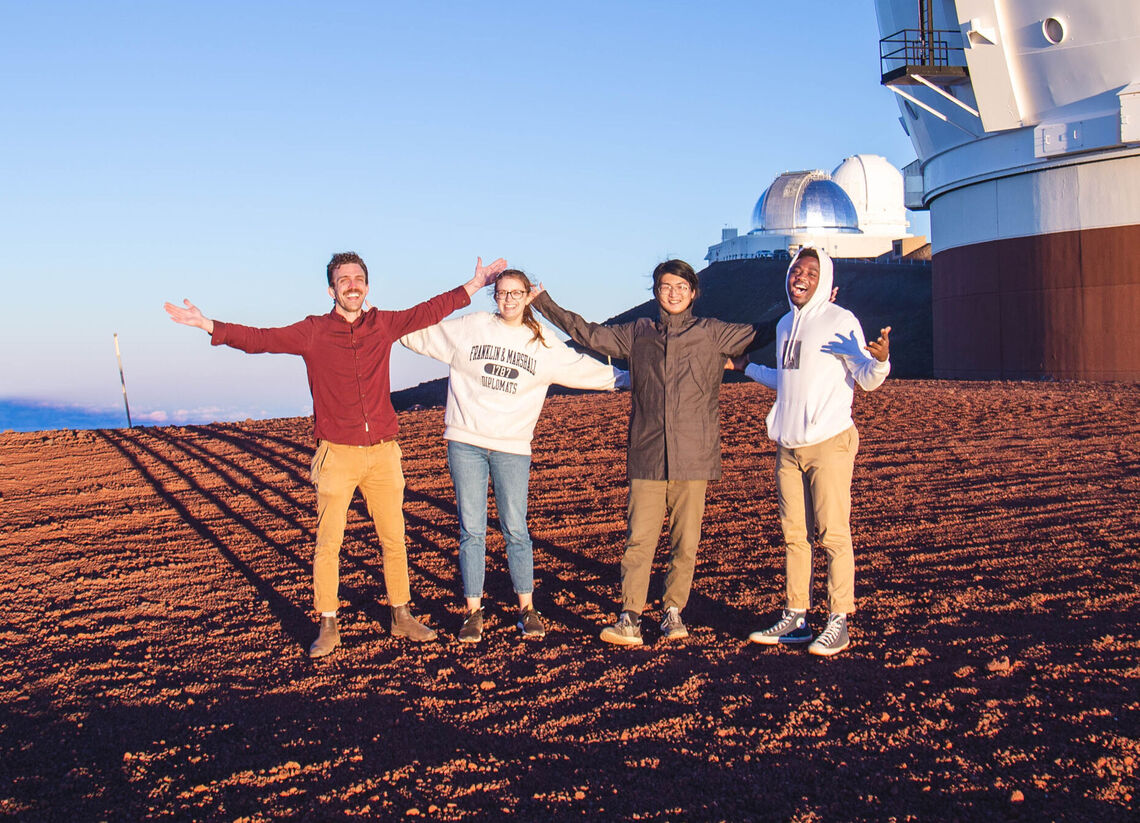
<point>675,370</point>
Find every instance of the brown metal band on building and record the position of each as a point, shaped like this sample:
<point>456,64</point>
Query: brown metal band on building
<point>1063,306</point>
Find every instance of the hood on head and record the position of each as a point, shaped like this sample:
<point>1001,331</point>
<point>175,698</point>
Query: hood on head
<point>826,280</point>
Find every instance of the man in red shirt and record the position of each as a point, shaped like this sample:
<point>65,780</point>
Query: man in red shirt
<point>346,354</point>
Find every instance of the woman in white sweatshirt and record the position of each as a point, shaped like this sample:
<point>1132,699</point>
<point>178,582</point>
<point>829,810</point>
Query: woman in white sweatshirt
<point>501,365</point>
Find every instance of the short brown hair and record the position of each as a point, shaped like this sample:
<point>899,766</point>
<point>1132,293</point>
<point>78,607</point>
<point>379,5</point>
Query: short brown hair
<point>677,268</point>
<point>342,257</point>
<point>808,251</point>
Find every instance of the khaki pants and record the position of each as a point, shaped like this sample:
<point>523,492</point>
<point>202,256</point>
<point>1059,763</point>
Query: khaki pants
<point>649,502</point>
<point>813,484</point>
<point>337,472</point>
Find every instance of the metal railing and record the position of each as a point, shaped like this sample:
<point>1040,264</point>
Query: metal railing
<point>918,47</point>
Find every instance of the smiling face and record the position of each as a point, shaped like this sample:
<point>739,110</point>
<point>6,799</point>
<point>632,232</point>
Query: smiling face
<point>510,298</point>
<point>674,294</point>
<point>349,288</point>
<point>803,280</point>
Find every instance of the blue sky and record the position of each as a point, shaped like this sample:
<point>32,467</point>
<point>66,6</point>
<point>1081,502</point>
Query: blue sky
<point>222,151</point>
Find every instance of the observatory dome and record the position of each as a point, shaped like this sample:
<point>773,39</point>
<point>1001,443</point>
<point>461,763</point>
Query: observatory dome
<point>805,201</point>
<point>875,188</point>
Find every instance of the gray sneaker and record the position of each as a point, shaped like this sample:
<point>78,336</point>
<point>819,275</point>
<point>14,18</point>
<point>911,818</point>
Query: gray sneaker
<point>530,623</point>
<point>328,638</point>
<point>626,632</point>
<point>671,627</point>
<point>792,627</point>
<point>472,631</point>
<point>833,639</point>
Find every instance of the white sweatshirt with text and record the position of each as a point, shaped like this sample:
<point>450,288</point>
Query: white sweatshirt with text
<point>499,377</point>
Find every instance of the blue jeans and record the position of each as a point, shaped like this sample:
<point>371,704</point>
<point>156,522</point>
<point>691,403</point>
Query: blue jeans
<point>471,466</point>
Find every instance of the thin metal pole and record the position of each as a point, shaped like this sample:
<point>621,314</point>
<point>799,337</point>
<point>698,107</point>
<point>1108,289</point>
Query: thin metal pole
<point>123,380</point>
<point>929,33</point>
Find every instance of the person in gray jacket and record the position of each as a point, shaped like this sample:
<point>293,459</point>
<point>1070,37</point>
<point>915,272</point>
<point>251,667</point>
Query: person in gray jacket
<point>676,364</point>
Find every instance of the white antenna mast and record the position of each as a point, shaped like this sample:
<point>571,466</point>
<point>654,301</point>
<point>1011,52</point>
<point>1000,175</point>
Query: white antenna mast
<point>123,380</point>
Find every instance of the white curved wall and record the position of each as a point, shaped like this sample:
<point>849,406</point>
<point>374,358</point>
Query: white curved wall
<point>1100,192</point>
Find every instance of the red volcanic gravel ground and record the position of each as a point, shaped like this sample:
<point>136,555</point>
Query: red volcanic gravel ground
<point>156,602</point>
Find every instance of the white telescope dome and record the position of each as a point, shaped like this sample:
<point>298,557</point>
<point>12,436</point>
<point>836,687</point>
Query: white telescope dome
<point>876,190</point>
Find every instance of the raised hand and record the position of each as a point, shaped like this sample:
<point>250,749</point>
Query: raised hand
<point>189,316</point>
<point>535,290</point>
<point>486,275</point>
<point>880,349</point>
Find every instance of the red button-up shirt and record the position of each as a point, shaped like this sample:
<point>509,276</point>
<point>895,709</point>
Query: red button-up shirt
<point>347,363</point>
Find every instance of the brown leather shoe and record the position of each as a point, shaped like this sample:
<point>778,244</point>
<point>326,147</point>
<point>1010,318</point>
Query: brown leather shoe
<point>404,625</point>
<point>328,638</point>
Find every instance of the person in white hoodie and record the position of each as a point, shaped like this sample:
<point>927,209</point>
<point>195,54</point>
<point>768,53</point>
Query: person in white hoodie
<point>821,355</point>
<point>501,366</point>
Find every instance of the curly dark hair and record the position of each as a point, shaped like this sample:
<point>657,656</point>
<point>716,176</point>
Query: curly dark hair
<point>342,257</point>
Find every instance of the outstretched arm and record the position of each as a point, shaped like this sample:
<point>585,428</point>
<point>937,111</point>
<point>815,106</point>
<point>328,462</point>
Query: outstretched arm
<point>612,341</point>
<point>189,316</point>
<point>761,374</point>
<point>484,275</point>
<point>438,341</point>
<point>431,311</point>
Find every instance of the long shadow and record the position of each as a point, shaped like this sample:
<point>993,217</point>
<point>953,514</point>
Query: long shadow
<point>408,754</point>
<point>430,534</point>
<point>422,527</point>
<point>230,470</point>
<point>718,616</point>
<point>352,557</point>
<point>216,462</point>
<point>293,620</point>
<point>254,444</point>
<point>304,450</point>
<point>418,527</point>
<point>80,772</point>
<point>213,463</point>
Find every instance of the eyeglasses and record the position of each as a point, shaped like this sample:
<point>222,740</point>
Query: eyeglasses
<point>669,288</point>
<point>514,294</point>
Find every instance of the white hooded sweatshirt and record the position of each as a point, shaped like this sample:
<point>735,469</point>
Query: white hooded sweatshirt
<point>821,358</point>
<point>499,377</point>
